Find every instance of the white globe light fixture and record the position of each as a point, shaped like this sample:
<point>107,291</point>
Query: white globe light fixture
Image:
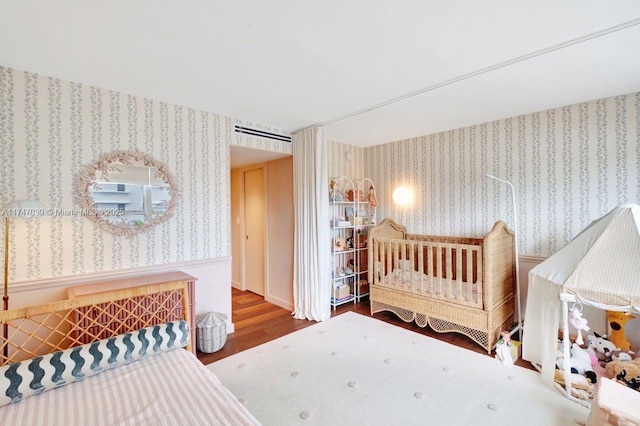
<point>401,195</point>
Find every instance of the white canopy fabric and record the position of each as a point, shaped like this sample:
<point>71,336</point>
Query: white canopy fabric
<point>600,267</point>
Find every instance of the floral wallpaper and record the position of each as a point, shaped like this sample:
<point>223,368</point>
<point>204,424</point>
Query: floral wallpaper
<point>345,160</point>
<point>50,127</point>
<point>568,165</point>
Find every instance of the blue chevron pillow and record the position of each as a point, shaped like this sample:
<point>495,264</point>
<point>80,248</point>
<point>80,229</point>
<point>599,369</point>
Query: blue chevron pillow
<point>56,369</point>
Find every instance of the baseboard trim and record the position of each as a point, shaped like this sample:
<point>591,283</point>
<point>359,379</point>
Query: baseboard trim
<point>72,280</point>
<point>278,302</point>
<point>531,259</point>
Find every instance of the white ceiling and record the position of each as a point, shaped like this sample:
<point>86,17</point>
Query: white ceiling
<point>290,64</point>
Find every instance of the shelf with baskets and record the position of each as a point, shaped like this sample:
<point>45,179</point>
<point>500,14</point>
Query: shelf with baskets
<point>352,209</point>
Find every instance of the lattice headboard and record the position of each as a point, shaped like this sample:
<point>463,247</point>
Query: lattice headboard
<point>42,329</point>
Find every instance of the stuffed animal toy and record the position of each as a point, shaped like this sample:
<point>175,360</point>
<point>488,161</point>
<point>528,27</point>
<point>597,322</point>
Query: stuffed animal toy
<point>334,192</point>
<point>350,243</point>
<point>580,363</point>
<point>371,197</point>
<point>622,355</point>
<point>614,368</point>
<point>581,388</point>
<point>633,382</point>
<point>626,372</point>
<point>602,346</point>
<point>616,321</point>
<point>579,323</point>
<point>355,195</point>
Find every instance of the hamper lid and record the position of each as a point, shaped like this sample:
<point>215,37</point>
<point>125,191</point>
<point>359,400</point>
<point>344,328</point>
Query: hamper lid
<point>211,319</point>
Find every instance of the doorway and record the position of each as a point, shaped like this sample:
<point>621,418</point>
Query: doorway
<point>255,229</point>
<point>265,269</point>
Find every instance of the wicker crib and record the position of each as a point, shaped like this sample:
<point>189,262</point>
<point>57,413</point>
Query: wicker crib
<point>457,284</point>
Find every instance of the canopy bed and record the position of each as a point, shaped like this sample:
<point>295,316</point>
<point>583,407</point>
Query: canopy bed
<point>600,267</point>
<point>136,369</point>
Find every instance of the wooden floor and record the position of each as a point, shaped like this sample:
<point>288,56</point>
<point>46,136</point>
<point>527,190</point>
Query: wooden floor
<point>257,322</point>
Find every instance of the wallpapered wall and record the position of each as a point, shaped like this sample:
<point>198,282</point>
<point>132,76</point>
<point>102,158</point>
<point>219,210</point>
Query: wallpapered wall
<point>50,127</point>
<point>569,166</point>
<point>338,163</point>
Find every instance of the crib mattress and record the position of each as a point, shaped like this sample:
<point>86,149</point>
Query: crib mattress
<point>172,388</point>
<point>419,283</point>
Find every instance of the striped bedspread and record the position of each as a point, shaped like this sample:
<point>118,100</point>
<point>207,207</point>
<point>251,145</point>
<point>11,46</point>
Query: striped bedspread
<point>172,388</point>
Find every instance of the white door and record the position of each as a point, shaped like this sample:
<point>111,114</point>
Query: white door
<point>254,219</point>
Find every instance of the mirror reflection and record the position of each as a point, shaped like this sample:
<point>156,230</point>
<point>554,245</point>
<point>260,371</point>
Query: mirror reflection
<point>127,192</point>
<point>136,193</point>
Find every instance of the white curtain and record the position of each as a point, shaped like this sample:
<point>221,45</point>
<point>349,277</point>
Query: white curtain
<point>312,263</point>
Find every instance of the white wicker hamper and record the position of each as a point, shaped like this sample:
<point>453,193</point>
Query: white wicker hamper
<point>211,331</point>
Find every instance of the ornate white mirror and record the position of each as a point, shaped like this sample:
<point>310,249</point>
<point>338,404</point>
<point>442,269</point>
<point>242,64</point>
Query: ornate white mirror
<point>126,192</point>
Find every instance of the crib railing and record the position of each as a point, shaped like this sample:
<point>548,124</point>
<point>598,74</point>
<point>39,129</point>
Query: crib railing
<point>449,271</point>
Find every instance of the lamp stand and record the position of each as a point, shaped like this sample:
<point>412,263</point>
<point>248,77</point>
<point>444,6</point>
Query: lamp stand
<point>5,295</point>
<point>515,242</point>
<point>24,209</point>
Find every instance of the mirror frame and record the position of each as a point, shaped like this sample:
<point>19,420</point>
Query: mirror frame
<point>86,177</point>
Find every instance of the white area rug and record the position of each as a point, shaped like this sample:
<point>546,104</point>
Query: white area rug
<point>354,369</point>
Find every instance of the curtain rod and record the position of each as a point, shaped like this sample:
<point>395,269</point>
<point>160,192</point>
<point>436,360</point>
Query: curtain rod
<point>481,71</point>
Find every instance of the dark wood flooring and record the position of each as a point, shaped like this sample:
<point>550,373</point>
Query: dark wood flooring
<point>257,322</point>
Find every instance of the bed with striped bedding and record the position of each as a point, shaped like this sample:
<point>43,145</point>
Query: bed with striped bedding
<point>172,388</point>
<point>125,375</point>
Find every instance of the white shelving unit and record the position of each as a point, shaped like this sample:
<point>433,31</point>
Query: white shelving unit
<point>365,218</point>
<point>342,233</point>
<point>352,214</point>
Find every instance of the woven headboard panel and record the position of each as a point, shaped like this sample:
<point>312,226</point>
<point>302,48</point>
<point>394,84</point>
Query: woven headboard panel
<point>39,330</point>
<point>388,228</point>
